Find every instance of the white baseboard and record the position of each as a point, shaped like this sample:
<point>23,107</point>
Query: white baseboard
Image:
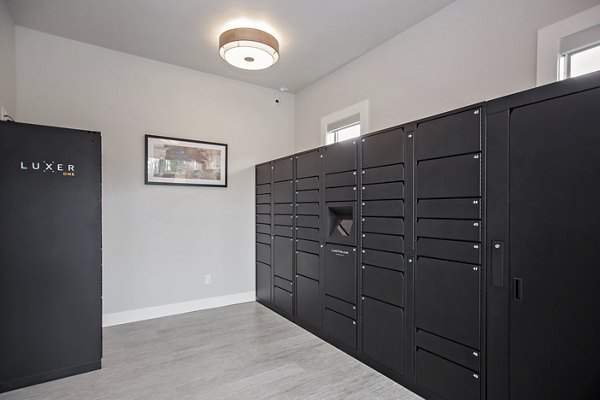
<point>142,314</point>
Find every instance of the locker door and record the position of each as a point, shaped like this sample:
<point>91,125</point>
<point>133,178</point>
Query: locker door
<point>554,237</point>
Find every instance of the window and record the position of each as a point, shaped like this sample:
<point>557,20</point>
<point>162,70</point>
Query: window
<point>579,62</point>
<point>345,124</point>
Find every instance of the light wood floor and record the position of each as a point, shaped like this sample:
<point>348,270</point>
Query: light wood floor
<point>243,351</point>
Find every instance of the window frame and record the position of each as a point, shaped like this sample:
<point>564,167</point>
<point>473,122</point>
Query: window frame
<point>362,109</point>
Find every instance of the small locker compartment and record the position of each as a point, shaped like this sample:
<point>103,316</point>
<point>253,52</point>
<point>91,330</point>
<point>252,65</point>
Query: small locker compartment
<point>263,282</point>
<point>307,221</point>
<point>383,148</point>
<point>390,173</point>
<point>465,356</point>
<point>340,157</point>
<point>308,305</point>
<point>307,265</point>
<point>341,179</point>
<point>448,380</point>
<point>307,246</point>
<point>383,284</point>
<point>283,192</point>
<point>307,233</point>
<point>383,259</point>
<point>458,176</point>
<point>340,328</point>
<point>307,208</point>
<point>262,238</point>
<point>383,334</point>
<point>383,191</point>
<point>308,164</point>
<point>283,170</point>
<point>450,135</point>
<point>383,208</point>
<point>282,219</point>
<point>263,198</point>
<point>263,253</point>
<point>287,209</point>
<point>376,241</point>
<point>283,284</point>
<point>449,208</point>
<point>263,209</point>
<point>263,174</point>
<point>390,226</point>
<point>346,193</point>
<point>283,300</point>
<point>282,257</point>
<point>263,219</point>
<point>449,229</point>
<point>468,252</point>
<point>447,300</point>
<point>307,196</point>
<point>307,183</point>
<point>340,272</point>
<point>341,307</point>
<point>264,229</point>
<point>283,230</point>
<point>263,189</point>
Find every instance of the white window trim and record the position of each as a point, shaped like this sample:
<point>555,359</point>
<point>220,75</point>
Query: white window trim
<point>548,46</point>
<point>361,108</point>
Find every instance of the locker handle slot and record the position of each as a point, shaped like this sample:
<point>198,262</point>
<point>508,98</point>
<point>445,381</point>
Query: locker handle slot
<point>497,263</point>
<point>518,289</point>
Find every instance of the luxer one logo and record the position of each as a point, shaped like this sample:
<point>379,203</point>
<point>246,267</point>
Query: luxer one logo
<point>340,253</point>
<point>51,167</point>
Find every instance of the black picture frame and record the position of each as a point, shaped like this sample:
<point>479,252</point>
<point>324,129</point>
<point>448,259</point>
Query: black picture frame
<point>184,162</point>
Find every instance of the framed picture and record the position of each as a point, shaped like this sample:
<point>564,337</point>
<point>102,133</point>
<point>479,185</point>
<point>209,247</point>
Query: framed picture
<point>173,161</point>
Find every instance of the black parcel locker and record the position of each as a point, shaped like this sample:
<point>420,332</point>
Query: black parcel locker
<point>264,274</point>
<point>50,253</point>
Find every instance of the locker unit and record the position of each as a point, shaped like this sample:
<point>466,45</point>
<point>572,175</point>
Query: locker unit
<point>264,275</point>
<point>432,253</point>
<point>50,253</point>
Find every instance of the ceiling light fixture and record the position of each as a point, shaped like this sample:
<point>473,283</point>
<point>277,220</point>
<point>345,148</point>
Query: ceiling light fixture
<point>249,48</point>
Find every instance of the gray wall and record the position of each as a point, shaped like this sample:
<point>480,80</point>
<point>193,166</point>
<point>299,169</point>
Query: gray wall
<point>159,241</point>
<point>472,50</point>
<point>8,90</point>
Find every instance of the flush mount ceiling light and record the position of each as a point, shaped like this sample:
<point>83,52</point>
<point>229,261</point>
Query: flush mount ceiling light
<point>249,48</point>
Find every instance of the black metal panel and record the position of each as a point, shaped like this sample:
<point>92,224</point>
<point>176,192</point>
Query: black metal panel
<point>263,174</point>
<point>376,241</point>
<point>449,135</point>
<point>307,264</point>
<point>449,229</point>
<point>465,356</point>
<point>383,284</point>
<point>449,208</point>
<point>283,192</point>
<point>263,253</point>
<point>445,378</point>
<point>263,189</point>
<point>263,282</point>
<point>262,238</point>
<point>283,230</point>
<point>307,209</point>
<point>307,246</point>
<point>308,164</point>
<point>307,233</point>
<point>263,218</point>
<point>341,179</point>
<point>307,183</point>
<point>449,250</point>
<point>447,300</point>
<point>286,220</point>
<point>383,208</point>
<point>263,228</point>
<point>347,193</point>
<point>554,165</point>
<point>341,307</point>
<point>263,208</point>
<point>284,284</point>
<point>50,253</point>
<point>458,176</point>
<point>340,157</point>
<point>383,191</point>
<point>383,259</point>
<point>390,173</point>
<point>340,272</point>
<point>383,334</point>
<point>283,208</point>
<point>308,221</point>
<point>308,306</point>
<point>340,328</point>
<point>283,300</point>
<point>383,148</point>
<point>263,199</point>
<point>282,257</point>
<point>283,170</point>
<point>307,196</point>
<point>390,226</point>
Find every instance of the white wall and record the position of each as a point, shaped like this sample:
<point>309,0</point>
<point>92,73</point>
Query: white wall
<point>8,90</point>
<point>473,50</point>
<point>159,241</point>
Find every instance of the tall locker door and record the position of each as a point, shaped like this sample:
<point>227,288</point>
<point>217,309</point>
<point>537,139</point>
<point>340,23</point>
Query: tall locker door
<point>50,253</point>
<point>554,237</point>
<point>264,274</point>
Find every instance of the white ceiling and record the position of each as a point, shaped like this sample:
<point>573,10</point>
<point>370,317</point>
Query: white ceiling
<point>316,36</point>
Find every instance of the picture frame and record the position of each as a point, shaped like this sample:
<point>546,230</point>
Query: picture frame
<point>185,162</point>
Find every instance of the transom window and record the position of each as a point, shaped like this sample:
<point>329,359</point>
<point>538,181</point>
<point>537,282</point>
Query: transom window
<point>343,133</point>
<point>579,62</point>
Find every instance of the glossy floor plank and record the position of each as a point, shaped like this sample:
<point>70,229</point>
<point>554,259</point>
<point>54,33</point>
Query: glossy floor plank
<point>243,351</point>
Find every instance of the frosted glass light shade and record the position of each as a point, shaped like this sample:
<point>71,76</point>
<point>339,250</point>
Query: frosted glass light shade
<point>249,48</point>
